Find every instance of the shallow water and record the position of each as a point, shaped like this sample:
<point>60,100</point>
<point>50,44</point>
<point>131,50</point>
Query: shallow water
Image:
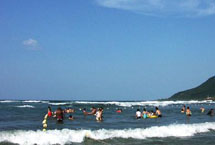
<point>21,122</point>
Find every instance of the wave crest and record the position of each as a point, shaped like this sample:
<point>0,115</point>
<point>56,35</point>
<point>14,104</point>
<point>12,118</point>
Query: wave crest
<point>144,103</point>
<point>69,136</point>
<point>25,106</point>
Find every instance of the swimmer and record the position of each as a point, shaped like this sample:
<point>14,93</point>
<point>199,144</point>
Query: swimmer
<point>69,110</point>
<point>71,117</point>
<point>93,111</point>
<point>148,113</point>
<point>49,111</point>
<point>202,109</point>
<point>183,109</point>
<point>158,112</point>
<point>138,114</point>
<point>59,114</point>
<point>84,111</point>
<point>211,112</point>
<point>144,114</point>
<point>152,113</point>
<point>119,111</point>
<point>188,112</point>
<point>99,114</point>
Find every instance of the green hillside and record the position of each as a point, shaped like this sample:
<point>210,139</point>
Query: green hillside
<point>202,92</point>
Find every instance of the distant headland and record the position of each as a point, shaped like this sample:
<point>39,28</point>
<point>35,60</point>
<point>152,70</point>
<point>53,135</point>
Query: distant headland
<point>206,91</point>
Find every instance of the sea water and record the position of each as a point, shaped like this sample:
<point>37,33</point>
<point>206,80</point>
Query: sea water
<point>21,123</point>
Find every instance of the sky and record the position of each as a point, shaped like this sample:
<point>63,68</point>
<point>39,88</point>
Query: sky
<point>104,49</point>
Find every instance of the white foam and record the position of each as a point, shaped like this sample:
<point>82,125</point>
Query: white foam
<point>31,101</point>
<point>25,101</point>
<point>25,106</point>
<point>7,101</point>
<point>144,103</point>
<point>56,104</point>
<point>69,136</point>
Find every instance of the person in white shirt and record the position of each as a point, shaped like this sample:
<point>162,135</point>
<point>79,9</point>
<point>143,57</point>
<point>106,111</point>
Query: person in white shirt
<point>138,114</point>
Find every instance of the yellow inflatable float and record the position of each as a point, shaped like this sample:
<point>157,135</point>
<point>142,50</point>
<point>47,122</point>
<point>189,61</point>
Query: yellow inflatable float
<point>153,116</point>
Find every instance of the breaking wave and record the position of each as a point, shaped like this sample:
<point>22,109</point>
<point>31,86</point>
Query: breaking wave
<point>117,103</point>
<point>31,101</point>
<point>7,101</point>
<point>145,103</point>
<point>56,104</point>
<point>66,136</point>
<point>25,106</point>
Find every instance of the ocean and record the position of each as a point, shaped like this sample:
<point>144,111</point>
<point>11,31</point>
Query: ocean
<point>21,123</point>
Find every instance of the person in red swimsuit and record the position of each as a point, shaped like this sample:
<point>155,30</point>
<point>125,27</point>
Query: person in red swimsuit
<point>49,112</point>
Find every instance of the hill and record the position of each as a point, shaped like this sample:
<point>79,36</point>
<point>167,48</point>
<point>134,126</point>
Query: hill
<point>203,92</point>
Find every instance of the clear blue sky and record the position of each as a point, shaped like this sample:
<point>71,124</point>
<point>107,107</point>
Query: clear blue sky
<point>104,49</point>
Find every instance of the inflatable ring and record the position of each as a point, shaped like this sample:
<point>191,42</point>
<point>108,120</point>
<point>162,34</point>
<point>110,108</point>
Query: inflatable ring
<point>154,116</point>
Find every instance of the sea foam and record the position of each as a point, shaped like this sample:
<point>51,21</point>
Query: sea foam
<point>144,103</point>
<point>31,101</point>
<point>58,104</point>
<point>25,106</point>
<point>77,136</point>
<point>7,101</point>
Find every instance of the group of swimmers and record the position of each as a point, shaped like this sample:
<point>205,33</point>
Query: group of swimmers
<point>189,113</point>
<point>59,114</point>
<point>97,112</point>
<point>148,114</point>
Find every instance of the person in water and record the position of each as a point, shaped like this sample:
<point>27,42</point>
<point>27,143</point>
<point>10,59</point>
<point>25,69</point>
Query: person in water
<point>71,117</point>
<point>183,109</point>
<point>150,113</point>
<point>188,112</point>
<point>99,114</point>
<point>202,109</point>
<point>59,114</point>
<point>49,111</point>
<point>119,111</point>
<point>138,114</point>
<point>84,111</point>
<point>158,112</point>
<point>69,110</point>
<point>93,111</point>
<point>211,112</point>
<point>145,113</point>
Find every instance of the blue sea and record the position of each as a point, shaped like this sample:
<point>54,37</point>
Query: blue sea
<point>21,123</point>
